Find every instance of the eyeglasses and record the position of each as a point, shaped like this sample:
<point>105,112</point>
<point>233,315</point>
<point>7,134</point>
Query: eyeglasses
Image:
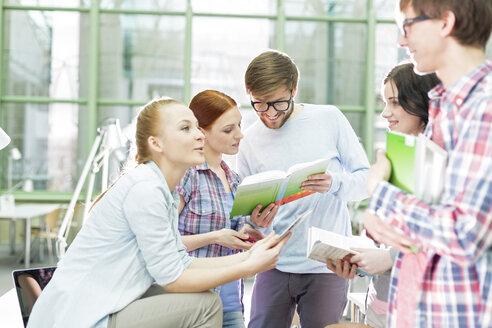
<point>411,21</point>
<point>279,106</point>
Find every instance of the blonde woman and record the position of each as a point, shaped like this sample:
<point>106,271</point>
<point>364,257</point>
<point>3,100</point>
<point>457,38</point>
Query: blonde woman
<point>127,267</point>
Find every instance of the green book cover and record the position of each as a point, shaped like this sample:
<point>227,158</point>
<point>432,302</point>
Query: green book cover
<point>300,174</point>
<point>400,150</point>
<point>248,196</point>
<point>274,187</point>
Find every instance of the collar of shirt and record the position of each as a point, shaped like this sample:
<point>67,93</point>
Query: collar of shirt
<point>232,177</point>
<point>456,95</point>
<point>460,90</point>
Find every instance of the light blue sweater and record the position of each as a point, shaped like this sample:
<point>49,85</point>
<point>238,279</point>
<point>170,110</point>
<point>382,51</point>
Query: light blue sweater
<point>129,241</point>
<point>319,131</point>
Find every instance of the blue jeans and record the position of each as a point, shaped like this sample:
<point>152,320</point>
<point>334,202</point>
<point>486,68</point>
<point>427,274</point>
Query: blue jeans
<point>233,320</point>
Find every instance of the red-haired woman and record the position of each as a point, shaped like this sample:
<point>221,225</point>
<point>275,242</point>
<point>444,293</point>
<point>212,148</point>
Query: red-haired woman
<point>207,194</point>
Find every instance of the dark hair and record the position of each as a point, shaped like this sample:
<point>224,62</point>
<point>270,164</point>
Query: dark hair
<point>269,71</point>
<point>473,17</point>
<point>412,89</point>
<point>209,105</point>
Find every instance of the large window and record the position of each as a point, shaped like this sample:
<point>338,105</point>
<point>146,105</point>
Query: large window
<point>66,66</point>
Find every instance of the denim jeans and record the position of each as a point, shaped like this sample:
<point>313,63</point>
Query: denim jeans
<point>233,320</point>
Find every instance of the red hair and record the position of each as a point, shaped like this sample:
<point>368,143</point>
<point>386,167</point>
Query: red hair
<point>209,105</point>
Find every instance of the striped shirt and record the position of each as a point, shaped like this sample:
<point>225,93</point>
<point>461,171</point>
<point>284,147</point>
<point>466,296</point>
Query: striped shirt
<point>456,234</point>
<point>206,206</point>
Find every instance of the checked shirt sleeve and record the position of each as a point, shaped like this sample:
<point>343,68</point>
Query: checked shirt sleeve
<point>460,226</point>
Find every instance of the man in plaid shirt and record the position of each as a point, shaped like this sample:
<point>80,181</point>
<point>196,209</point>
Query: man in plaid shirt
<point>454,237</point>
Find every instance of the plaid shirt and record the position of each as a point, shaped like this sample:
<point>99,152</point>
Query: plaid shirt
<point>456,234</point>
<point>206,206</point>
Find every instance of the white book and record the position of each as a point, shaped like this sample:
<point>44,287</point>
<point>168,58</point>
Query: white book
<point>326,245</point>
<point>418,165</point>
<point>430,168</point>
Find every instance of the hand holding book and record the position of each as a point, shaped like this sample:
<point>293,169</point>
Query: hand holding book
<point>263,218</point>
<point>280,187</point>
<point>336,250</point>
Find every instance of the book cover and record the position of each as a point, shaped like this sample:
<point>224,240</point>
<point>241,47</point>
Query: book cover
<point>418,165</point>
<point>324,245</point>
<point>400,150</point>
<point>274,187</point>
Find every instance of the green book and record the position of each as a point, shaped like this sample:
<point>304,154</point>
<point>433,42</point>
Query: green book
<point>400,150</point>
<point>277,187</point>
<point>418,165</point>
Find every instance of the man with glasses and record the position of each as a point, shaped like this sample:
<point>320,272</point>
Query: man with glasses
<point>291,133</point>
<point>453,267</point>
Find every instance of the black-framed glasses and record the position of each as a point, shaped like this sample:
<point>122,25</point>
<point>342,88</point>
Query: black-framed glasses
<point>411,21</point>
<point>279,106</point>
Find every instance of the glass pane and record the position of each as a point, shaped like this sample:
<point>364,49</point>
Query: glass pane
<point>141,56</point>
<point>125,114</point>
<point>50,3</point>
<point>380,128</point>
<point>388,54</point>
<point>45,53</point>
<point>50,155</point>
<point>250,7</point>
<point>358,123</point>
<point>222,50</point>
<point>337,8</point>
<point>331,72</point>
<point>488,51</point>
<point>164,5</point>
<point>385,9</point>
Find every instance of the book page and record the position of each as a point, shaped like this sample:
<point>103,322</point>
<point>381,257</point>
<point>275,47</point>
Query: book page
<point>322,252</point>
<point>324,244</point>
<point>263,176</point>
<point>430,168</point>
<point>298,174</point>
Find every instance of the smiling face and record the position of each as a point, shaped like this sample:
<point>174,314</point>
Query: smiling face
<point>424,42</point>
<point>223,136</point>
<point>181,142</point>
<point>398,119</point>
<point>272,118</point>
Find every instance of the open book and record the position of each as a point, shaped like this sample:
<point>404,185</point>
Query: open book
<point>417,165</point>
<point>274,187</point>
<point>324,245</point>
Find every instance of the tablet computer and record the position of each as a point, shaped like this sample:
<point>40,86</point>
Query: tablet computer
<point>28,284</point>
<point>294,223</point>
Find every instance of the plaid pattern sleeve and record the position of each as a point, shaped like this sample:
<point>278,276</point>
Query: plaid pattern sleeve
<point>457,232</point>
<point>205,207</point>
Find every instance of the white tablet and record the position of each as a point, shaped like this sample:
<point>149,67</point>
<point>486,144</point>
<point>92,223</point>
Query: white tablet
<point>295,222</point>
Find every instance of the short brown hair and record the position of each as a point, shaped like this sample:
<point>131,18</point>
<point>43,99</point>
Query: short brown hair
<point>473,17</point>
<point>209,105</point>
<point>269,71</point>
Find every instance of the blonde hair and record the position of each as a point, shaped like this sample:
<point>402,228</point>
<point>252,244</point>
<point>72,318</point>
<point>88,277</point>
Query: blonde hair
<point>148,122</point>
<point>269,71</point>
